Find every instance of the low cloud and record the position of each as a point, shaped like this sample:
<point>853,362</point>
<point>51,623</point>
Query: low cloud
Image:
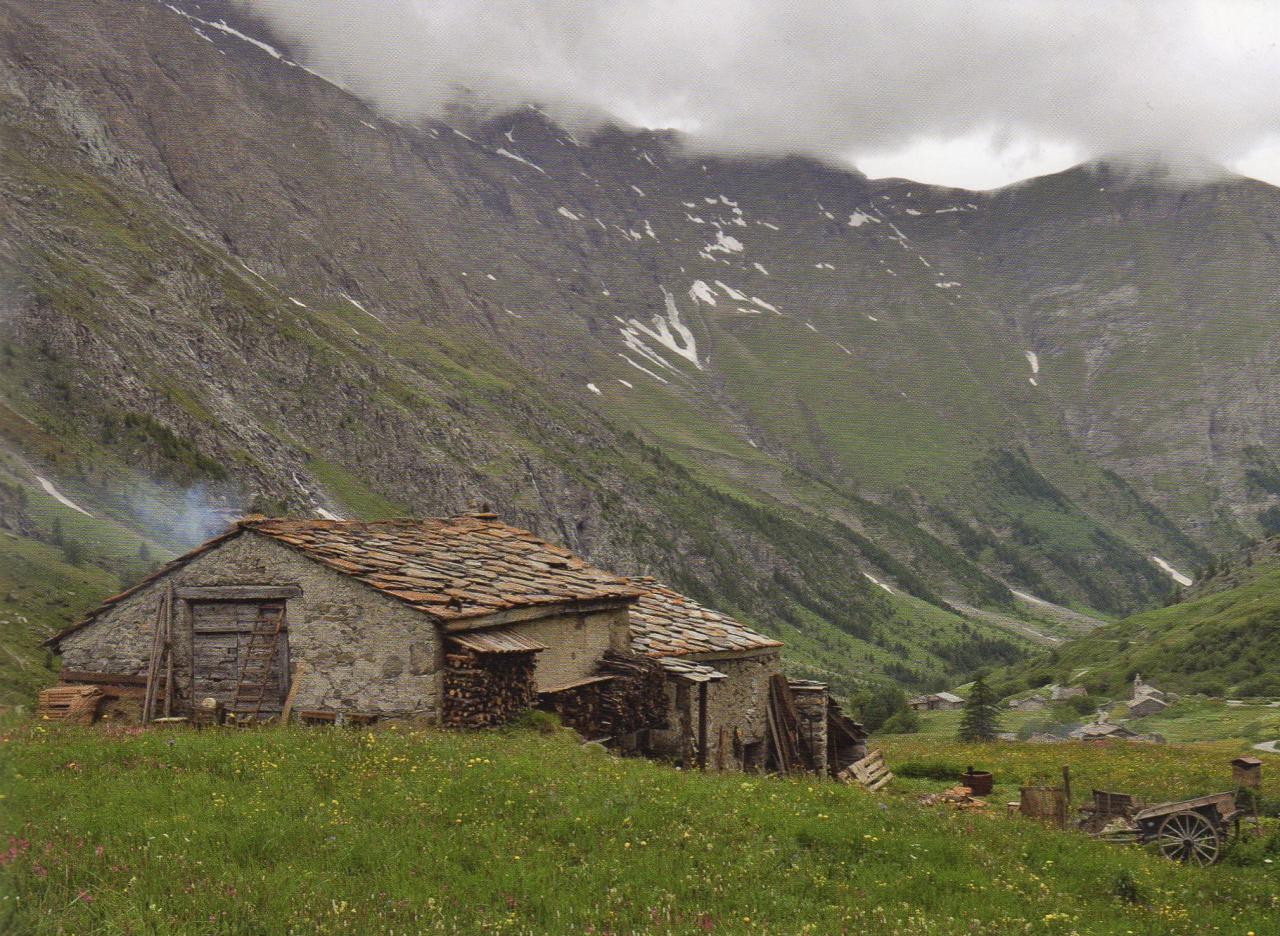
<point>838,80</point>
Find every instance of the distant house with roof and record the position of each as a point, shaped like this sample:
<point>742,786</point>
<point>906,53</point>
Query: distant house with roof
<point>1146,705</point>
<point>462,621</point>
<point>936,701</point>
<point>1102,731</point>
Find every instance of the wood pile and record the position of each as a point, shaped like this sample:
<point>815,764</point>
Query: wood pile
<point>77,705</point>
<point>957,797</point>
<point>789,749</point>
<point>485,690</point>
<point>872,772</point>
<point>638,698</point>
<point>628,694</point>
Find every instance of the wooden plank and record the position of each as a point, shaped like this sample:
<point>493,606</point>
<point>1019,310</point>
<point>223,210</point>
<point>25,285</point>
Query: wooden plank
<point>293,691</point>
<point>879,784</point>
<point>238,592</point>
<point>168,652</point>
<point>110,679</point>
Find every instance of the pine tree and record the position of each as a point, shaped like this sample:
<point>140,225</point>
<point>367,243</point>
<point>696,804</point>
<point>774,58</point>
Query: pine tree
<point>981,718</point>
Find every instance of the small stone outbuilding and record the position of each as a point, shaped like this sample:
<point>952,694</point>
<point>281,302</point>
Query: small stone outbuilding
<point>1147,705</point>
<point>936,701</point>
<point>719,685</point>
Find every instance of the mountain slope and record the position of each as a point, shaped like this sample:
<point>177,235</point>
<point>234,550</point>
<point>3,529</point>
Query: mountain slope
<point>1223,639</point>
<point>229,283</point>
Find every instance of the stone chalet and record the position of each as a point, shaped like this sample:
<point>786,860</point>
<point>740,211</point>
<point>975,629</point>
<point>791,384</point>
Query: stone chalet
<point>936,701</point>
<point>462,621</point>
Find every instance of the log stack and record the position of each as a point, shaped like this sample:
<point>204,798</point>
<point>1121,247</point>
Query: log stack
<point>637,699</point>
<point>626,695</point>
<point>485,690</point>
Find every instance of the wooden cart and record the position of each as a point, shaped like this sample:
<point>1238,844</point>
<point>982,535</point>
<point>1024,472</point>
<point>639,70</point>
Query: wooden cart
<point>1195,831</point>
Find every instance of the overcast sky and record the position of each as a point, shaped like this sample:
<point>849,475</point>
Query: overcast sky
<point>975,93</point>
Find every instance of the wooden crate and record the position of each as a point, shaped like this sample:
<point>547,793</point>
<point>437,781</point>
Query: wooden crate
<point>872,772</point>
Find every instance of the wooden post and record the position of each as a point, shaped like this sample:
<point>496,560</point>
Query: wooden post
<point>1066,785</point>
<point>168,651</point>
<point>189,632</point>
<point>702,726</point>
<point>285,712</point>
<point>153,664</point>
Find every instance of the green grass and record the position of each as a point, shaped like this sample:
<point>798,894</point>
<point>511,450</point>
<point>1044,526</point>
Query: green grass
<point>352,494</point>
<point>328,831</point>
<point>1200,719</point>
<point>1154,773</point>
<point>39,593</point>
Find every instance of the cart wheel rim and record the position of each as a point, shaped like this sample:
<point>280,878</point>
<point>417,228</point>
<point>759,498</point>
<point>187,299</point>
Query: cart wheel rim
<point>1189,837</point>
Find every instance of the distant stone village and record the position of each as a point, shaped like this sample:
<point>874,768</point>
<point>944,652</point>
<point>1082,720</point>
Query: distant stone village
<point>464,622</point>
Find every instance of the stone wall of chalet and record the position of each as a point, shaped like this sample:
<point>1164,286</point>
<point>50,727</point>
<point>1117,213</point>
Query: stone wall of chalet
<point>360,650</point>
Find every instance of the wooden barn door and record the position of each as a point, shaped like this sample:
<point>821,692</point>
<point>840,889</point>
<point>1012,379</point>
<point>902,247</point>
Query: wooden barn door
<point>221,631</point>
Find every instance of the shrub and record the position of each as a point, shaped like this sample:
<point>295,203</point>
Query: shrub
<point>903,721</point>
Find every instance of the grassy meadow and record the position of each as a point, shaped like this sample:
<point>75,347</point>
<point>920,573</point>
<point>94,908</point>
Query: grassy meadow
<point>408,831</point>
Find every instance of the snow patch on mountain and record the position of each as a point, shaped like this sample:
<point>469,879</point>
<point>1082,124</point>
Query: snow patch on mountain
<point>644,370</point>
<point>59,496</point>
<point>1034,360</point>
<point>726,243</point>
<point>875,581</point>
<point>670,332</point>
<point>732,293</point>
<point>859,218</point>
<point>565,212</point>
<point>1173,573</point>
<point>501,151</point>
<point>761,268</point>
<point>701,292</point>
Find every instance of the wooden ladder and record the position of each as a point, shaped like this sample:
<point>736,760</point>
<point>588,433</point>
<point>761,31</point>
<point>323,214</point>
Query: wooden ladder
<point>259,658</point>
<point>160,663</point>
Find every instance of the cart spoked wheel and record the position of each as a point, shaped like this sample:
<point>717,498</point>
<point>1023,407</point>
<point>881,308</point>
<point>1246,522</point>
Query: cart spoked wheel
<point>1189,837</point>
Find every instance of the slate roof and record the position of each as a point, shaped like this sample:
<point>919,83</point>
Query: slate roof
<point>452,569</point>
<point>497,640</point>
<point>666,623</point>
<point>690,670</point>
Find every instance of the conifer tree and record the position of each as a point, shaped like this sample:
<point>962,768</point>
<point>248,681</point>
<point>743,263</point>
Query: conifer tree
<point>981,718</point>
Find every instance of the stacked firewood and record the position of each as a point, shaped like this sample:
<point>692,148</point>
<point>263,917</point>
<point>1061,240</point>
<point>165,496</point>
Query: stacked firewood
<point>485,690</point>
<point>632,696</point>
<point>637,699</point>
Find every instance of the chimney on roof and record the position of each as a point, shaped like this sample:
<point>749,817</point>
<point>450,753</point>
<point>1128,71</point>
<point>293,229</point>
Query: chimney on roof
<point>481,510</point>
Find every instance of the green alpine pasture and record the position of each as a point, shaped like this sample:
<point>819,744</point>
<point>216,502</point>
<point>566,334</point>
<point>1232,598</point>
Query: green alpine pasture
<point>406,831</point>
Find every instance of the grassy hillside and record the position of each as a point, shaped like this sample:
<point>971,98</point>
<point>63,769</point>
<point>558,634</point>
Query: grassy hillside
<point>1221,643</point>
<point>317,831</point>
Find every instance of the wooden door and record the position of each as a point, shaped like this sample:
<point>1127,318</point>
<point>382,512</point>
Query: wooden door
<point>220,640</point>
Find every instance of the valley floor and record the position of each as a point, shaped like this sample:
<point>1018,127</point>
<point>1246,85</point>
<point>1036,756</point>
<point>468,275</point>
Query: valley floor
<point>406,831</point>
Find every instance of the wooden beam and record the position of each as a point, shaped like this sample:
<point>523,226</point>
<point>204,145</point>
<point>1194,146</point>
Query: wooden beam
<point>168,652</point>
<point>108,679</point>
<point>532,613</point>
<point>287,710</point>
<point>702,726</point>
<point>237,592</point>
